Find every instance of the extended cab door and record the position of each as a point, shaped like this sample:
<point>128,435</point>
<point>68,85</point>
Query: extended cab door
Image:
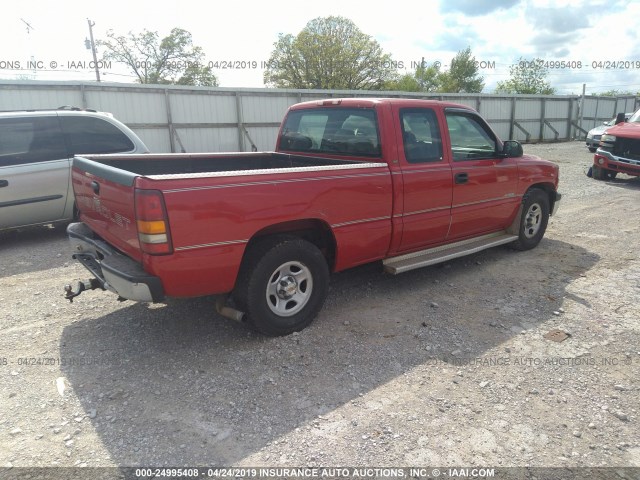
<point>427,178</point>
<point>484,183</point>
<point>34,171</point>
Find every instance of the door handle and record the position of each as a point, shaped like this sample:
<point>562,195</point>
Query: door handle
<point>95,186</point>
<point>4,183</point>
<point>461,177</point>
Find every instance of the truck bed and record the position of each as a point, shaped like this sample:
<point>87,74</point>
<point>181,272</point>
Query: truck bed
<point>155,165</point>
<point>215,203</point>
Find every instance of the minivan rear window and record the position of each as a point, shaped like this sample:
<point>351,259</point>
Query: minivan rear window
<point>90,135</point>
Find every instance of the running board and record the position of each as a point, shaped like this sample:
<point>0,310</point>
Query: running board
<point>444,253</point>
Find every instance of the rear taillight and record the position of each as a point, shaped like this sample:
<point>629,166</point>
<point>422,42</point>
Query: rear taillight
<point>152,222</point>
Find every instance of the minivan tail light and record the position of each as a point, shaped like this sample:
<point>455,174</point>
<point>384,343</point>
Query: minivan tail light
<point>152,222</point>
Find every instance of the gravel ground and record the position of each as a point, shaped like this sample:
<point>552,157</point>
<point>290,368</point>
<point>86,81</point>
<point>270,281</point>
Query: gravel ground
<point>443,366</point>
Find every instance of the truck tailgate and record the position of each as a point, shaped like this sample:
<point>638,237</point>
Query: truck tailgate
<point>105,198</point>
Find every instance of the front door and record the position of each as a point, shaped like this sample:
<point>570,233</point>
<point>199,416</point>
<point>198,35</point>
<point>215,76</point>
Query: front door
<point>484,183</point>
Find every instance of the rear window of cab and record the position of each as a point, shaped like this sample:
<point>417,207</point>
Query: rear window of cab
<point>344,131</point>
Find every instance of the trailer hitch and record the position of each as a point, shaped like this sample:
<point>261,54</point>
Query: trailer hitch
<point>91,284</point>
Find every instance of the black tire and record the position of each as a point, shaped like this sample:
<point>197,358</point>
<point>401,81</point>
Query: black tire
<point>600,173</point>
<point>282,285</point>
<point>596,172</point>
<point>534,219</point>
<point>592,149</point>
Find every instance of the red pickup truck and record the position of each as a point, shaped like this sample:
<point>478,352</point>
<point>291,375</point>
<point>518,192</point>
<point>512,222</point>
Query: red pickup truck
<point>619,150</point>
<point>408,182</point>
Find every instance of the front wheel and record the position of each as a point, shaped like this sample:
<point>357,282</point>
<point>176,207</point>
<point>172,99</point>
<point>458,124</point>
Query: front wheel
<point>534,219</point>
<point>283,285</point>
<point>600,173</point>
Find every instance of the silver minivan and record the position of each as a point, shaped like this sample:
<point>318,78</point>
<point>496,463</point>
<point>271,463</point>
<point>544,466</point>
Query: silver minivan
<point>36,150</point>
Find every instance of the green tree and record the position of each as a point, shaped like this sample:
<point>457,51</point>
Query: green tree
<point>170,60</point>
<point>528,77</point>
<point>329,53</point>
<point>404,83</point>
<point>617,93</point>
<point>462,76</point>
<point>424,79</point>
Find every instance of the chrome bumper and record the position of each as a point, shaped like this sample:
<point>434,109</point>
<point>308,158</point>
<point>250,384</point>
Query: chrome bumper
<point>112,270</point>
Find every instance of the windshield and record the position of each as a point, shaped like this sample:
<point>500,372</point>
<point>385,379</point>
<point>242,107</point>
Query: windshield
<point>635,117</point>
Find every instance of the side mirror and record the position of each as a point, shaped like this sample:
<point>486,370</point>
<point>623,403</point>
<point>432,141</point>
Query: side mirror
<point>620,118</point>
<point>512,149</point>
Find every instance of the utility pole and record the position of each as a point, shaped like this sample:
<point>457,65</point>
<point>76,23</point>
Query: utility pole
<point>33,60</point>
<point>93,49</point>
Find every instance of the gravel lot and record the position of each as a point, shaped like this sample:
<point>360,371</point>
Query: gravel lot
<point>443,366</point>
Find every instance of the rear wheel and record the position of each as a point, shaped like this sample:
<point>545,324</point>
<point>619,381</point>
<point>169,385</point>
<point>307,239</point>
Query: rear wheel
<point>534,219</point>
<point>283,284</point>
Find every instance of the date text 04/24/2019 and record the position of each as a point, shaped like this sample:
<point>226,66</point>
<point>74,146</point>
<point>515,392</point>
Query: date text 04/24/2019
<point>579,64</point>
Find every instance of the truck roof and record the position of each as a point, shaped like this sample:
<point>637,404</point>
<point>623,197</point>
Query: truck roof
<point>371,102</point>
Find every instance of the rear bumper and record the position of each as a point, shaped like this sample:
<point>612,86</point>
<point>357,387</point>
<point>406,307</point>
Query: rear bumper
<point>114,271</point>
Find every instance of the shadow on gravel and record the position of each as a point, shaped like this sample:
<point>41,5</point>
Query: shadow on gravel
<point>630,183</point>
<point>179,385</point>
<point>33,249</point>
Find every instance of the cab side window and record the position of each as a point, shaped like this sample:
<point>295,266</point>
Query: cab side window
<point>420,135</point>
<point>87,135</point>
<point>30,140</point>
<point>470,137</point>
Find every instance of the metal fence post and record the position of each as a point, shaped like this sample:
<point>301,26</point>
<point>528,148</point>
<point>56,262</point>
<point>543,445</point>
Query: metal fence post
<point>83,93</point>
<point>570,136</point>
<point>239,119</point>
<point>167,104</point>
<point>512,119</point>
<point>543,113</point>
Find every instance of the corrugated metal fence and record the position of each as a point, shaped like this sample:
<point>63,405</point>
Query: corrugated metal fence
<point>201,119</point>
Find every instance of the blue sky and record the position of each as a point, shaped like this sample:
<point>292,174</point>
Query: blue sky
<point>498,32</point>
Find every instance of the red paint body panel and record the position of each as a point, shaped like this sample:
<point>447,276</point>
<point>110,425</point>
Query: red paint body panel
<point>624,157</point>
<point>111,212</point>
<point>373,208</point>
<point>487,201</point>
<point>206,214</point>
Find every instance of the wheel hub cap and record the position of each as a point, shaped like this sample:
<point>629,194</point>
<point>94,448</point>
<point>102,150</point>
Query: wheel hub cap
<point>532,220</point>
<point>289,288</point>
